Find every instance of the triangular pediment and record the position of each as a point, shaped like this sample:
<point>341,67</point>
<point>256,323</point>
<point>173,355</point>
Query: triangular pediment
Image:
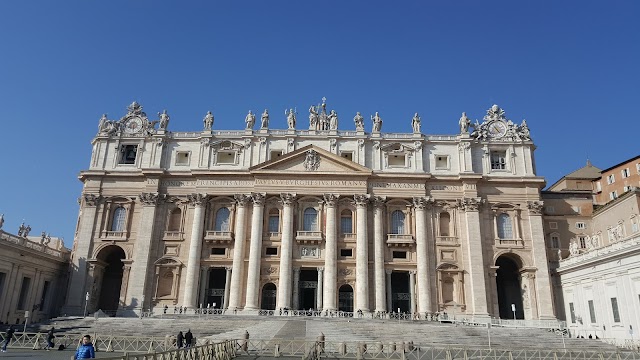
<point>311,159</point>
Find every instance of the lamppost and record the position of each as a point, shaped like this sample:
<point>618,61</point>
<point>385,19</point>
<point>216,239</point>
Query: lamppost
<point>513,309</point>
<point>26,321</point>
<point>86,301</point>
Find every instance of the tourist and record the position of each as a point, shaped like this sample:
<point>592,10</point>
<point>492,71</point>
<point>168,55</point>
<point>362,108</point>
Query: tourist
<point>8,338</point>
<point>180,340</point>
<point>50,338</point>
<point>188,338</point>
<point>86,350</point>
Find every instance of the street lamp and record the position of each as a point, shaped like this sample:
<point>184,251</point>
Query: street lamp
<point>86,301</point>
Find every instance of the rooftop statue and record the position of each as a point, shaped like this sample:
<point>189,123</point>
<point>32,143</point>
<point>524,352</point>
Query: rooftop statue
<point>291,119</point>
<point>359,121</point>
<point>106,126</point>
<point>415,123</point>
<point>208,121</point>
<point>164,120</point>
<point>464,123</point>
<point>313,118</point>
<point>265,120</point>
<point>377,123</point>
<point>250,120</point>
<point>333,120</point>
<point>1,220</point>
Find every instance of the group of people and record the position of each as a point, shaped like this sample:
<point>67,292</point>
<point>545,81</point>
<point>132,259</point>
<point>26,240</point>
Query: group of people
<point>84,351</point>
<point>184,340</point>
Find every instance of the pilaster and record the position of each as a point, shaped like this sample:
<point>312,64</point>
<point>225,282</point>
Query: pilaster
<point>475,256</point>
<point>235,294</point>
<point>193,265</point>
<point>362,254</point>
<point>329,287</point>
<point>255,249</point>
<point>286,252</point>
<point>540,261</point>
<point>378,253</point>
<point>422,254</point>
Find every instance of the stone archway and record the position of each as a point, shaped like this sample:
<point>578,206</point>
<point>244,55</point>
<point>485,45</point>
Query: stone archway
<point>508,287</point>
<point>268,297</point>
<point>109,296</point>
<point>345,298</point>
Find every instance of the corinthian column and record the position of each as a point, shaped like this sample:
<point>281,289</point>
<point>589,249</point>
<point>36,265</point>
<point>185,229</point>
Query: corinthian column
<point>475,256</point>
<point>235,291</point>
<point>422,254</point>
<point>191,284</point>
<point>362,254</point>
<point>255,249</point>
<point>540,261</point>
<point>286,252</point>
<point>330,254</point>
<point>378,253</point>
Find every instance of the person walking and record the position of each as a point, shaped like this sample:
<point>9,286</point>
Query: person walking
<point>50,338</point>
<point>180,340</point>
<point>7,340</point>
<point>188,338</point>
<point>86,350</point>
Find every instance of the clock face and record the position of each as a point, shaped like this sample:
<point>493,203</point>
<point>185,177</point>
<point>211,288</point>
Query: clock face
<point>497,129</point>
<point>133,125</point>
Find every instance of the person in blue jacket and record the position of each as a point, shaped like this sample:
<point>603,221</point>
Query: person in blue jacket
<point>85,351</point>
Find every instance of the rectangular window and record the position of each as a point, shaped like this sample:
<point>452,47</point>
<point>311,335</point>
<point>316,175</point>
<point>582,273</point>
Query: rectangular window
<point>347,155</point>
<point>498,160</point>
<point>397,160</point>
<point>274,154</point>
<point>613,195</point>
<point>271,251</point>
<point>182,158</point>
<point>583,242</point>
<point>626,188</point>
<point>614,308</point>
<point>45,289</point>
<point>2,277</point>
<point>128,154</point>
<point>442,162</point>
<point>555,241</point>
<point>572,312</point>
<point>399,254</point>
<point>346,225</point>
<point>611,179</point>
<point>24,292</point>
<point>553,225</point>
<point>346,252</point>
<point>638,167</point>
<point>592,312</point>
<point>581,225</point>
<point>634,228</point>
<point>218,251</point>
<point>598,186</point>
<point>226,157</point>
<point>549,209</point>
<point>625,173</point>
<point>274,223</point>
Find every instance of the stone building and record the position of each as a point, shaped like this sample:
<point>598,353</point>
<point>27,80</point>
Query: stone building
<point>318,218</point>
<point>33,275</point>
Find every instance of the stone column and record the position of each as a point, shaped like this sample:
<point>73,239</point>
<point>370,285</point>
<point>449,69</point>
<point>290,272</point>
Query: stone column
<point>493,306</point>
<point>412,290</point>
<point>378,253</point>
<point>75,299</point>
<point>540,261</point>
<point>296,287</point>
<point>204,282</point>
<point>389,292</point>
<point>255,252</point>
<point>286,252</point>
<point>362,254</point>
<point>140,267</point>
<point>422,255</point>
<point>189,298</point>
<point>475,256</point>
<point>227,286</point>
<point>319,292</point>
<point>330,255</point>
<point>235,292</point>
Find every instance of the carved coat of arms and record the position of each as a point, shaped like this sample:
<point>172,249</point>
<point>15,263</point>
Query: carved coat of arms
<point>312,161</point>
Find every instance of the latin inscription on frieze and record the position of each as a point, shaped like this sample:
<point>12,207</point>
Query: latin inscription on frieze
<point>184,183</point>
<point>390,185</point>
<point>310,182</point>
<point>444,188</point>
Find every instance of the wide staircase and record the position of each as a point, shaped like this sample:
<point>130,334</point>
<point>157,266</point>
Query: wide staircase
<point>334,330</point>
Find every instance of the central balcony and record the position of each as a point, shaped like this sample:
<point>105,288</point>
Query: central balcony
<point>219,237</point>
<point>400,240</point>
<point>509,243</point>
<point>309,237</point>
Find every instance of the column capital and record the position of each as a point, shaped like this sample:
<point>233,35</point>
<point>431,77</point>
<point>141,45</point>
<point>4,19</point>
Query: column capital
<point>228,268</point>
<point>422,202</point>
<point>330,199</point>
<point>361,200</point>
<point>412,272</point>
<point>535,207</point>
<point>91,199</point>
<point>258,198</point>
<point>287,198</point>
<point>388,271</point>
<point>378,201</point>
<point>296,269</point>
<point>241,199</point>
<point>320,269</point>
<point>149,199</point>
<point>470,203</point>
<point>196,199</point>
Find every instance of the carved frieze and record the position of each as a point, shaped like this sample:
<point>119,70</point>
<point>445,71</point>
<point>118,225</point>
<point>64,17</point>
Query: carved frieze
<point>345,272</point>
<point>269,270</point>
<point>148,198</point>
<point>535,207</point>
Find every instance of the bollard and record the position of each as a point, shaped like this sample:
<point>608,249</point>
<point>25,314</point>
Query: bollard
<point>245,344</point>
<point>342,348</point>
<point>276,351</point>
<point>362,348</point>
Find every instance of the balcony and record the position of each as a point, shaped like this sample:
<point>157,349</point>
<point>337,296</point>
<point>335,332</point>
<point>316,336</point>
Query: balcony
<point>509,243</point>
<point>348,237</point>
<point>400,240</point>
<point>219,237</point>
<point>309,237</point>
<point>173,236</point>
<point>447,241</point>
<point>114,235</point>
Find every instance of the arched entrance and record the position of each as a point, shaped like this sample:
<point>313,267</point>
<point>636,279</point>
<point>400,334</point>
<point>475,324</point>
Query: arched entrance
<point>268,297</point>
<point>345,298</point>
<point>112,278</point>
<point>508,286</point>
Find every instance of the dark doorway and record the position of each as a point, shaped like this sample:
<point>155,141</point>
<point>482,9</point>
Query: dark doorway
<point>268,297</point>
<point>508,285</point>
<point>345,298</point>
<point>308,289</point>
<point>215,289</point>
<point>400,294</point>
<point>111,278</point>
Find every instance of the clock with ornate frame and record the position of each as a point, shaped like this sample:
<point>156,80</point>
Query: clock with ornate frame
<point>497,129</point>
<point>133,125</point>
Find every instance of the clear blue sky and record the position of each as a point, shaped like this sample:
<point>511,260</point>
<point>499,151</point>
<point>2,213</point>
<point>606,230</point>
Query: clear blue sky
<point>571,68</point>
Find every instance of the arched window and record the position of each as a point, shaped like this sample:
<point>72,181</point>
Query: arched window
<point>505,230</point>
<point>346,222</point>
<point>274,221</point>
<point>174,220</point>
<point>397,222</point>
<point>119,217</point>
<point>445,221</point>
<point>222,220</point>
<point>310,220</point>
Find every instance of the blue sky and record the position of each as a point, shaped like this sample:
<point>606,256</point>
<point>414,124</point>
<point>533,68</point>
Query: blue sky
<point>569,67</point>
